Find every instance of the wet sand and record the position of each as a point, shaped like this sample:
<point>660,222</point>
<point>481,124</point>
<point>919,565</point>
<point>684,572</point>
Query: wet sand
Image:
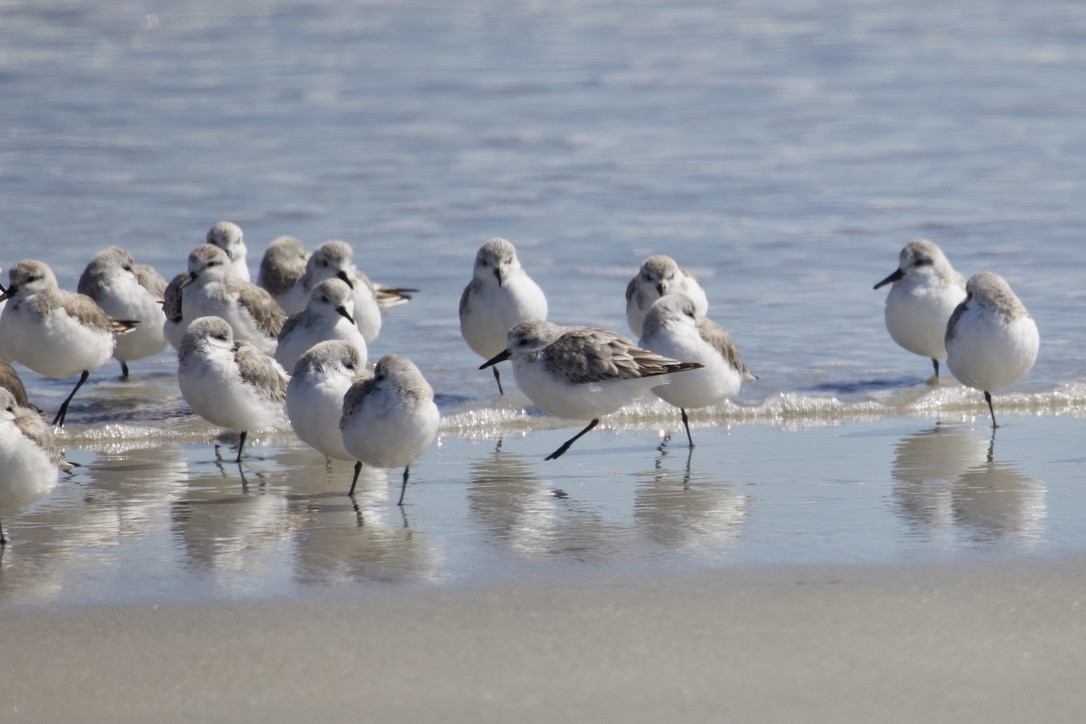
<point>988,642</point>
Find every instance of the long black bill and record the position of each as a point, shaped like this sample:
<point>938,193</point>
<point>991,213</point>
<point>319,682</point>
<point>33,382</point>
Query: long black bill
<point>500,357</point>
<point>898,274</point>
<point>342,311</point>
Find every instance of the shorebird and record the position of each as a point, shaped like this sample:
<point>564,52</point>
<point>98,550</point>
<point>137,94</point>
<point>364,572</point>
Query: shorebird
<point>673,329</point>
<point>127,290</point>
<point>282,266</point>
<point>660,275</point>
<point>318,383</point>
<point>925,291</point>
<point>29,458</point>
<point>581,373</point>
<point>991,339</point>
<point>52,331</point>
<point>229,384</point>
<point>389,419</point>
<point>325,317</point>
<point>227,236</point>
<point>214,290</point>
<point>499,295</point>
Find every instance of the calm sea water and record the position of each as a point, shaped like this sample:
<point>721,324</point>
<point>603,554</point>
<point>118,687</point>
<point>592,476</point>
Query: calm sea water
<point>783,151</point>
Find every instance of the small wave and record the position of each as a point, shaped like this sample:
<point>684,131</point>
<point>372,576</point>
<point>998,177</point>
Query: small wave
<point>793,410</point>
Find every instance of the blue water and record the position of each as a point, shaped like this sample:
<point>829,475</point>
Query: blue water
<point>783,151</point>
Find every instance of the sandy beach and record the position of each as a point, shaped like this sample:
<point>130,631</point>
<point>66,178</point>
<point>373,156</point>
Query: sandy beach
<point>994,642</point>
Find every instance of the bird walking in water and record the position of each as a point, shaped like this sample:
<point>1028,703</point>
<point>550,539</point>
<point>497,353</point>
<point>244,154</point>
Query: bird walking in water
<point>582,373</point>
<point>52,331</point>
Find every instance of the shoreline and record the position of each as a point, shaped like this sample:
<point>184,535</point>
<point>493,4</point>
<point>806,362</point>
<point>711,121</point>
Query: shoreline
<point>996,641</point>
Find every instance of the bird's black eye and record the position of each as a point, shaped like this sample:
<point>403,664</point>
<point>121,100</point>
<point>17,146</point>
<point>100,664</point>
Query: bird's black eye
<point>925,261</point>
<point>323,262</point>
<point>219,336</point>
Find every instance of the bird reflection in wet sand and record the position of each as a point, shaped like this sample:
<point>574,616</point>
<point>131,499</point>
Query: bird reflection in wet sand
<point>358,539</point>
<point>230,534</point>
<point>949,483</point>
<point>518,509</point>
<point>687,510</point>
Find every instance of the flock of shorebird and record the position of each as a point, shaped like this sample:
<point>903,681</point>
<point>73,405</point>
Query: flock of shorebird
<point>314,314</point>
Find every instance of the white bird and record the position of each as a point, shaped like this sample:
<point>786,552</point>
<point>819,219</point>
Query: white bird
<point>925,291</point>
<point>282,266</point>
<point>29,458</point>
<point>335,259</point>
<point>660,275</point>
<point>325,317</point>
<point>229,384</point>
<point>214,290</point>
<point>390,419</point>
<point>991,339</point>
<point>673,329</point>
<point>318,384</point>
<point>227,236</point>
<point>127,290</point>
<point>581,373</point>
<point>499,295</point>
<point>52,331</point>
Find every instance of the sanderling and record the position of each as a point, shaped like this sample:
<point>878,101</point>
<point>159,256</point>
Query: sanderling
<point>581,373</point>
<point>127,290</point>
<point>173,328</point>
<point>334,259</point>
<point>282,266</point>
<point>991,339</point>
<point>499,295</point>
<point>52,331</point>
<point>315,394</point>
<point>232,385</point>
<point>673,329</point>
<point>29,457</point>
<point>389,419</point>
<point>660,275</point>
<point>227,236</point>
<point>925,291</point>
<point>325,317</point>
<point>9,380</point>
<point>214,290</point>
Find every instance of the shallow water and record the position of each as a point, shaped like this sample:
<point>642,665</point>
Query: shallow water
<point>784,152</point>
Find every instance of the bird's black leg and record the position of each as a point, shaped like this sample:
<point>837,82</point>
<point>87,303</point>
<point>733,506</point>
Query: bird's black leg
<point>988,399</point>
<point>566,445</point>
<point>403,488</point>
<point>686,424</point>
<point>58,421</point>
<point>354,480</point>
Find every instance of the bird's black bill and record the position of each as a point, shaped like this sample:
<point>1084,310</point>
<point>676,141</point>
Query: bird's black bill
<point>500,357</point>
<point>898,274</point>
